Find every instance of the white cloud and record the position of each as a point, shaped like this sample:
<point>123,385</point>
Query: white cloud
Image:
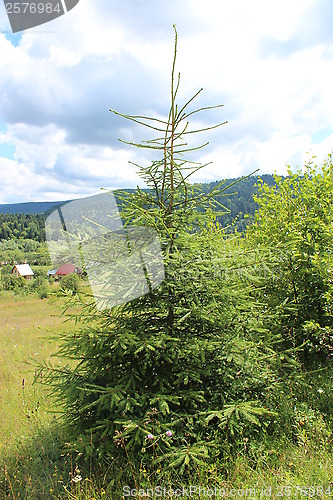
<point>57,86</point>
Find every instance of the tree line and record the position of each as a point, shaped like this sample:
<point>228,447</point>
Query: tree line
<point>238,203</point>
<point>22,226</point>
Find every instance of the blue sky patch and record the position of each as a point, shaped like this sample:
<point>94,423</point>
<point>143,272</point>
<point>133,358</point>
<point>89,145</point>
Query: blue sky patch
<point>7,151</point>
<point>13,38</point>
<point>321,135</point>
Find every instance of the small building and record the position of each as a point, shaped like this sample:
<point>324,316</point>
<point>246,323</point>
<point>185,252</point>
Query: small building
<point>66,269</point>
<point>51,272</point>
<point>23,270</point>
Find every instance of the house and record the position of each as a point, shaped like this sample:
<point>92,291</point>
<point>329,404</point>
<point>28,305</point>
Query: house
<point>66,269</point>
<point>51,272</point>
<point>23,270</point>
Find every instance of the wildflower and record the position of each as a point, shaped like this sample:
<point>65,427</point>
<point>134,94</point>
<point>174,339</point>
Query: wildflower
<point>150,436</point>
<point>77,479</point>
<point>320,391</point>
<point>102,491</point>
<point>168,433</point>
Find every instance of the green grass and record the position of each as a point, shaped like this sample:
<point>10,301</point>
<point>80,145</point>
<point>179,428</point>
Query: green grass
<point>24,325</point>
<point>37,461</point>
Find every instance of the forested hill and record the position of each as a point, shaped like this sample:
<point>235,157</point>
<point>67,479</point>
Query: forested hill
<point>33,207</point>
<point>239,198</point>
<point>27,220</point>
<point>22,226</point>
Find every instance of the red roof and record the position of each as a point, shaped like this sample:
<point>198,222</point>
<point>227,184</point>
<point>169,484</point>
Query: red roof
<point>68,269</point>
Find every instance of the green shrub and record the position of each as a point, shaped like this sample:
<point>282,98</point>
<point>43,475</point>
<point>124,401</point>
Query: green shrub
<point>12,282</point>
<point>6,270</point>
<point>294,226</point>
<point>38,281</point>
<point>69,284</point>
<point>42,291</point>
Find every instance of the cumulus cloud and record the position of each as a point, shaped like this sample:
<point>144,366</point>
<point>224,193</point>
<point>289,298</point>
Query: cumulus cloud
<point>311,28</point>
<point>268,64</point>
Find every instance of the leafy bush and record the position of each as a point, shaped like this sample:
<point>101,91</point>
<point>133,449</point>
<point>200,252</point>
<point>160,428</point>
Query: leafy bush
<point>20,250</point>
<point>42,291</point>
<point>11,282</point>
<point>294,227</point>
<point>69,284</point>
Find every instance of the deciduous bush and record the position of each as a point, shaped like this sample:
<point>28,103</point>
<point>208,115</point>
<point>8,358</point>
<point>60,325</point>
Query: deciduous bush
<point>294,227</point>
<point>11,282</point>
<point>69,284</point>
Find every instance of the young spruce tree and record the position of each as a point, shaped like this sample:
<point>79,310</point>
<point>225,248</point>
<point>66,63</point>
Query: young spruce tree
<point>180,372</point>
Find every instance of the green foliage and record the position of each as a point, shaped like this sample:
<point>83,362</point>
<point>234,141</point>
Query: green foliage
<point>238,200</point>
<point>22,286</point>
<point>11,282</point>
<point>69,284</point>
<point>22,226</point>
<point>16,251</point>
<point>39,284</point>
<point>194,356</point>
<point>293,226</point>
<point>43,292</point>
<point>34,464</point>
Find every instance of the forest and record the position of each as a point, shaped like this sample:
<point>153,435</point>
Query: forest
<point>22,235</point>
<point>238,201</point>
<point>22,226</point>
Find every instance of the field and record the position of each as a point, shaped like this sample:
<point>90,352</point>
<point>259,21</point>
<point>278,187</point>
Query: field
<point>33,467</point>
<point>24,325</point>
<point>27,324</point>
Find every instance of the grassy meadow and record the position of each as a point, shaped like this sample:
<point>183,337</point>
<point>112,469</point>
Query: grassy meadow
<point>27,325</point>
<point>23,324</point>
<point>35,466</point>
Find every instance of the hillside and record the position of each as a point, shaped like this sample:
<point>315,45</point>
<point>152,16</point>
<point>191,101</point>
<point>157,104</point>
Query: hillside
<point>244,191</point>
<point>33,207</point>
<point>27,220</point>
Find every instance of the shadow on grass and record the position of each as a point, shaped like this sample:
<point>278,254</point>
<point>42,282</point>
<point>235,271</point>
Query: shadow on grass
<point>49,467</point>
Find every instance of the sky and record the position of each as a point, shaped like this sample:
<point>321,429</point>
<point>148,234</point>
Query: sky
<point>269,63</point>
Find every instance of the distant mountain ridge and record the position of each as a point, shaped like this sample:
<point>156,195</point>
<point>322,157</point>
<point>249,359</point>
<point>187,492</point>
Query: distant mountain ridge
<point>238,201</point>
<point>29,207</point>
